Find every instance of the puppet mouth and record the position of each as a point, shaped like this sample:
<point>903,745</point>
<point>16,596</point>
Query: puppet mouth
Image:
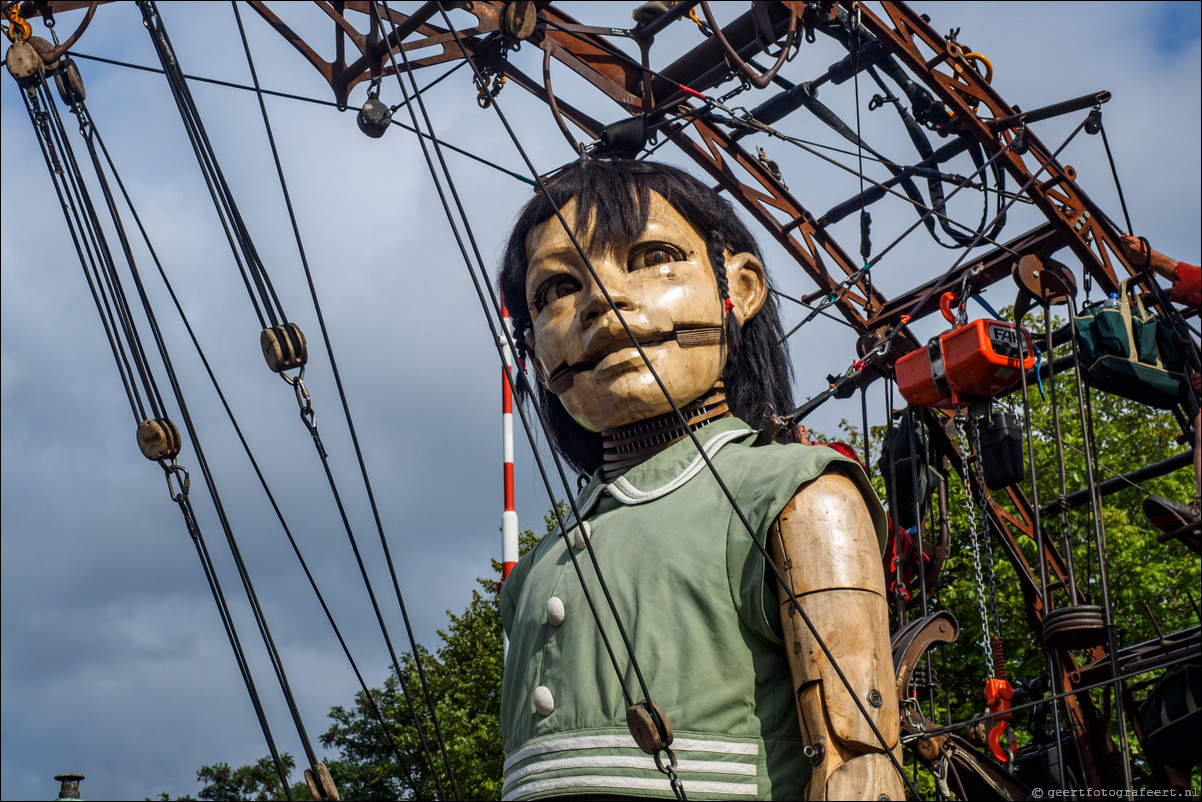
<point>561,379</point>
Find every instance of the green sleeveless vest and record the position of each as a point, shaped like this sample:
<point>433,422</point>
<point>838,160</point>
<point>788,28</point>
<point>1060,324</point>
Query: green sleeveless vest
<point>689,586</point>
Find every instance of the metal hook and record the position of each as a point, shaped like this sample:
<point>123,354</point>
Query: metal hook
<point>184,484</point>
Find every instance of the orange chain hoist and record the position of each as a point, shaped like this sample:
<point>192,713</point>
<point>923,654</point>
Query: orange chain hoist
<point>973,360</point>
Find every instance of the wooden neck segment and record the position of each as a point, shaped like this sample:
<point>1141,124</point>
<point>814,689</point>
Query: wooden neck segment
<point>627,446</point>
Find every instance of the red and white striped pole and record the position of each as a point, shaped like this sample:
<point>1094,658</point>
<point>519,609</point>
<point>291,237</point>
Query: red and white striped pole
<point>509,518</point>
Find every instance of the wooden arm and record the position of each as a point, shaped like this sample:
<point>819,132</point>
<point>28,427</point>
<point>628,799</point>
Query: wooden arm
<point>824,544</point>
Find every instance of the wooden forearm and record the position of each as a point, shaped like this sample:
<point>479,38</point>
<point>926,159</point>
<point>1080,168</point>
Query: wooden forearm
<point>825,546</point>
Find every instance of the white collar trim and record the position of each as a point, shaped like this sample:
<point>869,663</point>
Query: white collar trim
<point>626,493</point>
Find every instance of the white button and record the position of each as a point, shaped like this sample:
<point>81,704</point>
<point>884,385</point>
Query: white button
<point>581,534</point>
<point>555,611</point>
<point>544,703</point>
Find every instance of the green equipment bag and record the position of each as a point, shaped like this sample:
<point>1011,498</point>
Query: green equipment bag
<point>1129,352</point>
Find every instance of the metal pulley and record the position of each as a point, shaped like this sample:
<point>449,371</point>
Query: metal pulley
<point>26,61</point>
<point>69,83</point>
<point>284,347</point>
<point>519,18</point>
<point>375,117</point>
<point>1078,626</point>
<point>159,439</point>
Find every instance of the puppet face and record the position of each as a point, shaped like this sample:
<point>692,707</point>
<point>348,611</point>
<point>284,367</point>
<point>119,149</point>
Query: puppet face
<point>664,286</point>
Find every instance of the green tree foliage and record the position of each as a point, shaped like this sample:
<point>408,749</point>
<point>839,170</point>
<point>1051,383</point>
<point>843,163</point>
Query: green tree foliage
<point>1145,578</point>
<point>259,781</point>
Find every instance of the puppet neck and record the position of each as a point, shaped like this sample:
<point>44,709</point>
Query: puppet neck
<point>630,445</point>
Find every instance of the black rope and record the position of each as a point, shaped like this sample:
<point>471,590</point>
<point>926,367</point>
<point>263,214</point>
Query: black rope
<point>330,477</point>
<point>181,498</point>
<point>328,103</point>
<point>267,303</point>
<point>985,717</point>
<point>116,303</point>
<point>84,249</point>
<point>256,608</point>
<point>939,283</point>
<point>249,453</point>
<point>524,387</point>
<point>812,308</point>
<point>1114,172</point>
<point>525,423</point>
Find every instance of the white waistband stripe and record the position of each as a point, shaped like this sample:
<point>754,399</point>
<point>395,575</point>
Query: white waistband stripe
<point>631,783</point>
<point>627,742</point>
<point>632,762</point>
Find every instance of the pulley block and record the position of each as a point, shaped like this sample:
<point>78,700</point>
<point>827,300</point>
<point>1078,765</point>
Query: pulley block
<point>375,117</point>
<point>69,83</point>
<point>321,784</point>
<point>519,18</point>
<point>284,347</point>
<point>159,439</point>
<point>640,718</point>
<point>26,61</point>
<point>1079,626</point>
<point>979,359</point>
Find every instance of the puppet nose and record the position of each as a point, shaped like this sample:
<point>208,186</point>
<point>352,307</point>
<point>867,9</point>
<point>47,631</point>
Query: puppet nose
<point>598,306</point>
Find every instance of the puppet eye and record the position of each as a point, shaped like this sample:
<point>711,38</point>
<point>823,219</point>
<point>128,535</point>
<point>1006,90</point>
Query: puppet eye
<point>655,254</point>
<point>552,290</point>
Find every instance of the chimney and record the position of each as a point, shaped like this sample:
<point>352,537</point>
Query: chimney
<point>70,786</point>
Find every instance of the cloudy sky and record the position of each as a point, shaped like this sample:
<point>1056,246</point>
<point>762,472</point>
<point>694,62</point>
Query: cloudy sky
<point>114,661</point>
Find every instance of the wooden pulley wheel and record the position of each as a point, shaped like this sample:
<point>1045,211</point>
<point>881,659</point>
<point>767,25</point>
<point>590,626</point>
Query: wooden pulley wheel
<point>23,64</point>
<point>1080,626</point>
<point>159,439</point>
<point>26,61</point>
<point>321,784</point>
<point>44,48</point>
<point>642,726</point>
<point>69,83</point>
<point>284,347</point>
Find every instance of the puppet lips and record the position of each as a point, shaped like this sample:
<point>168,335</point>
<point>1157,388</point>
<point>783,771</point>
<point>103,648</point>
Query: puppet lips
<point>608,345</point>
<point>560,380</point>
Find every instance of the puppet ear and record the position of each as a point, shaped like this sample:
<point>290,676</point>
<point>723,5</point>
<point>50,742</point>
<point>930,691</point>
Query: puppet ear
<point>747,283</point>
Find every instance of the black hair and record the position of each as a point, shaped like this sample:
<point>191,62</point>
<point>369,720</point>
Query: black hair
<point>613,202</point>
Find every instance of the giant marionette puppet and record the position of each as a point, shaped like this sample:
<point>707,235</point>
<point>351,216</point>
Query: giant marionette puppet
<point>746,688</point>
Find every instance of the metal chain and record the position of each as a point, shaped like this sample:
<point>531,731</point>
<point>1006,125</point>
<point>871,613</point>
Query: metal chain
<point>670,771</point>
<point>973,543</point>
<point>978,465</point>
